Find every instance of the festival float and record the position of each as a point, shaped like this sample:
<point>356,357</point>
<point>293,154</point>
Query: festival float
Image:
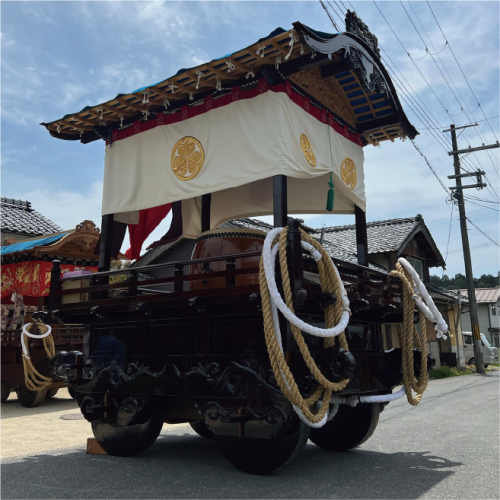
<point>260,342</point>
<point>26,274</point>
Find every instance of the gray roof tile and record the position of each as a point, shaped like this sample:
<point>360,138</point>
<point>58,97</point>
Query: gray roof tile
<point>19,217</point>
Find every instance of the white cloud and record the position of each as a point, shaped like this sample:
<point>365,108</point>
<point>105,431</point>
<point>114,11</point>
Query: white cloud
<point>64,208</point>
<point>7,40</point>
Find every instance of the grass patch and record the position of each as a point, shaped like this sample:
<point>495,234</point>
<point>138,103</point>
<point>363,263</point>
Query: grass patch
<point>446,371</point>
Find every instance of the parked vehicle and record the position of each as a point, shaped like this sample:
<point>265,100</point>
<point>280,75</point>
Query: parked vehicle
<point>490,353</point>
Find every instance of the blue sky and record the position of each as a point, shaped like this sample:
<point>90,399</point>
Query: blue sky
<point>57,57</point>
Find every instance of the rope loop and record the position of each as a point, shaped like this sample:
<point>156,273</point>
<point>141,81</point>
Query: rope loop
<point>34,380</point>
<point>313,410</point>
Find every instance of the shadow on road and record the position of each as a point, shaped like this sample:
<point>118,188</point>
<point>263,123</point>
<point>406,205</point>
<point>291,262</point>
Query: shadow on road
<point>187,466</point>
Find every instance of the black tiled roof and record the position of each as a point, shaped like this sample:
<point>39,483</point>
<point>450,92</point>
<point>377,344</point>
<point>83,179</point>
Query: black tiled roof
<point>339,241</point>
<point>383,236</point>
<point>18,217</point>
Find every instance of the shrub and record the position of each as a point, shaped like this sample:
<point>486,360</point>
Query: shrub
<point>447,371</point>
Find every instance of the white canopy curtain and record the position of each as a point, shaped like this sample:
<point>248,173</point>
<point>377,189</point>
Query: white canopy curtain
<point>232,152</point>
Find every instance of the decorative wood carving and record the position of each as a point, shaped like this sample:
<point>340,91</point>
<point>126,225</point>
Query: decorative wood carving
<point>327,91</point>
<point>87,226</point>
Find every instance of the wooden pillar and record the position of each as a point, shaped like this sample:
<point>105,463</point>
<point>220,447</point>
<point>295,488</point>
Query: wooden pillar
<point>361,236</point>
<point>106,242</point>
<point>280,201</point>
<point>206,200</point>
<point>55,276</point>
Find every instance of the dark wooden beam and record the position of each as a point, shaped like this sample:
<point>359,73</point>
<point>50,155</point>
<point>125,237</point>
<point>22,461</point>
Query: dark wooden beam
<point>280,202</point>
<point>361,236</point>
<point>206,200</point>
<point>106,242</point>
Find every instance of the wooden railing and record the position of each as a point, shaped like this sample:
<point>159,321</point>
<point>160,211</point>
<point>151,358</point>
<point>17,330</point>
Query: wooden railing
<point>360,282</point>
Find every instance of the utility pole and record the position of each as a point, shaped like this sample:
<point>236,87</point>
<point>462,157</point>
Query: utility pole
<point>458,195</point>
<point>457,325</point>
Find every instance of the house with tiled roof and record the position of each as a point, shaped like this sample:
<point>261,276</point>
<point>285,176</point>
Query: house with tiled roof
<point>488,311</point>
<point>20,221</point>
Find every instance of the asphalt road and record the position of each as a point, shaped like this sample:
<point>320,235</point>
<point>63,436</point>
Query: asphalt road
<point>447,447</point>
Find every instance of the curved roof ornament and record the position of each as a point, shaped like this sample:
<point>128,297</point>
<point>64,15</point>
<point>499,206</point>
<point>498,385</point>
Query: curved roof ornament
<point>361,54</point>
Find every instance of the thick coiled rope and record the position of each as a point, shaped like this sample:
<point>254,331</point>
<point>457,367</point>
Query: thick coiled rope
<point>408,334</point>
<point>34,380</point>
<point>306,408</point>
<point>314,410</point>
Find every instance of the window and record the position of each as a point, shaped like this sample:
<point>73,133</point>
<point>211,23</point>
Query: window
<point>468,339</point>
<point>417,265</point>
<point>494,309</point>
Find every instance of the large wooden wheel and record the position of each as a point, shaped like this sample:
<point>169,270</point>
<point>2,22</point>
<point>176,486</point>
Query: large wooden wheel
<point>129,440</point>
<point>5,391</point>
<point>30,399</point>
<point>263,456</point>
<point>51,393</point>
<point>350,427</point>
<point>202,429</point>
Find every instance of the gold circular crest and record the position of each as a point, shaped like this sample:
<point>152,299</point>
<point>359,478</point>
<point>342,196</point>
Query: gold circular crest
<point>187,158</point>
<point>307,150</point>
<point>348,172</point>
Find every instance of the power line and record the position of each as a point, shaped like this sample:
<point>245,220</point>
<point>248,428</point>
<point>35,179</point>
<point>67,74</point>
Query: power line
<point>329,15</point>
<point>451,50</point>
<point>482,232</point>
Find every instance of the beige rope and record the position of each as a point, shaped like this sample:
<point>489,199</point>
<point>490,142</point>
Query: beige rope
<point>34,380</point>
<point>284,377</point>
<point>407,336</point>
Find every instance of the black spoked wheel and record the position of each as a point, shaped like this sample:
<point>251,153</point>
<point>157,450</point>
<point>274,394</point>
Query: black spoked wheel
<point>30,399</point>
<point>202,429</point>
<point>124,440</point>
<point>5,391</point>
<point>263,456</point>
<point>51,393</point>
<point>350,427</point>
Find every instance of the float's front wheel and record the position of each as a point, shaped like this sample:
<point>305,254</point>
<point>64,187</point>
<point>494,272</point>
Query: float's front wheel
<point>124,440</point>
<point>263,456</point>
<point>51,393</point>
<point>350,427</point>
<point>5,391</point>
<point>202,429</point>
<point>30,399</point>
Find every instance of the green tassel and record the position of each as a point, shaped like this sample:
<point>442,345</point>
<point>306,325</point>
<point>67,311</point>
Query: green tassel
<point>329,200</point>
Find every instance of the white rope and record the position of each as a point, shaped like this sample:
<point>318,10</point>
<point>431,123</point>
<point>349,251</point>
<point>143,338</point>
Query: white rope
<point>25,332</point>
<point>269,258</point>
<point>58,128</point>
<point>230,65</point>
<point>260,49</point>
<point>145,114</point>
<point>250,73</point>
<point>191,96</point>
<point>354,400</point>
<point>145,97</point>
<point>199,74</point>
<point>172,87</point>
<point>424,301</point>
<point>292,40</point>
<point>218,84</point>
<point>277,62</point>
<point>121,120</point>
<point>166,103</point>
